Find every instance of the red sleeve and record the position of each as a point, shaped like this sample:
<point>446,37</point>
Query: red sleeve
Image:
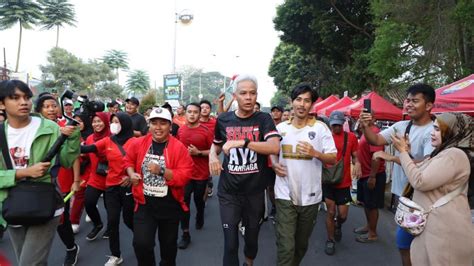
<point>210,138</point>
<point>355,143</point>
<point>101,145</point>
<point>131,154</point>
<point>182,165</point>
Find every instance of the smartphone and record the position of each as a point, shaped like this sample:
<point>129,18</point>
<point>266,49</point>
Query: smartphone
<point>367,106</point>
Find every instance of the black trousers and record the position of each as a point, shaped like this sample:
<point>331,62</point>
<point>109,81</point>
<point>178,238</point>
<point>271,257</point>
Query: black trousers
<point>235,208</point>
<point>145,224</point>
<point>118,199</point>
<point>198,187</point>
<point>91,198</point>
<point>64,228</point>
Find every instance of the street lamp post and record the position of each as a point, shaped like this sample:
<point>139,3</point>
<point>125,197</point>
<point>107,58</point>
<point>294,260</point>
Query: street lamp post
<point>185,17</point>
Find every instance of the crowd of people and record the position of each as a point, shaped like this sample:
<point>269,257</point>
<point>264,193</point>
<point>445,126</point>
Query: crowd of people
<point>149,167</point>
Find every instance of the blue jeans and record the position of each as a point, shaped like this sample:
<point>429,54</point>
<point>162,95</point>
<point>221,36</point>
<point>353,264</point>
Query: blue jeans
<point>33,243</point>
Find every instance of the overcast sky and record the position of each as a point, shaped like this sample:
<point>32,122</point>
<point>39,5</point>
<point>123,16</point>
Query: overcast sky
<point>226,36</point>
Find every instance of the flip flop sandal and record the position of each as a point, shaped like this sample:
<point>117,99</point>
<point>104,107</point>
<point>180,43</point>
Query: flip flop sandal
<point>365,239</point>
<point>360,230</point>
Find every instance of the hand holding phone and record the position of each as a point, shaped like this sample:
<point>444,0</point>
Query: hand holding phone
<point>367,106</point>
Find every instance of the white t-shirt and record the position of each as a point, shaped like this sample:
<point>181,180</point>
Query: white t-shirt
<point>20,141</point>
<point>420,143</point>
<point>303,184</point>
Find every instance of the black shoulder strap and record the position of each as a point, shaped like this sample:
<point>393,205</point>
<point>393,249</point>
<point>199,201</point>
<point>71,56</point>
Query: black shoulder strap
<point>407,129</point>
<point>4,143</point>
<point>119,146</point>
<point>345,145</point>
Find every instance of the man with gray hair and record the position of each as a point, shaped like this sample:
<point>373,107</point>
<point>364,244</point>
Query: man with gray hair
<point>247,138</point>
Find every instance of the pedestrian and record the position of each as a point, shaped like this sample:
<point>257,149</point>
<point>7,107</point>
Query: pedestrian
<point>306,145</point>
<point>448,238</point>
<point>370,186</point>
<point>210,122</point>
<point>68,179</point>
<point>198,139</point>
<point>96,181</point>
<point>277,112</point>
<point>285,116</point>
<point>118,196</point>
<point>247,138</point>
<point>32,135</point>
<point>338,197</point>
<point>77,205</point>
<point>418,104</point>
<point>159,166</point>
<point>174,126</point>
<point>139,126</point>
<point>179,118</point>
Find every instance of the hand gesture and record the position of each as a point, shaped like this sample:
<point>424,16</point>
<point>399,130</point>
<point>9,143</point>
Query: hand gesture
<point>371,182</point>
<point>76,186</point>
<point>280,169</point>
<point>400,143</point>
<point>382,156</point>
<point>221,97</point>
<point>305,148</point>
<point>215,166</point>
<point>154,168</point>
<point>365,119</point>
<point>126,181</point>
<point>67,130</point>
<point>134,178</point>
<point>38,169</point>
<point>232,144</point>
<point>357,170</point>
<point>193,151</point>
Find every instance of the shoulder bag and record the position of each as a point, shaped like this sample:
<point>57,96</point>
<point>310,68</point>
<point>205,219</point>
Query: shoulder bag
<point>28,202</point>
<point>412,217</point>
<point>333,175</point>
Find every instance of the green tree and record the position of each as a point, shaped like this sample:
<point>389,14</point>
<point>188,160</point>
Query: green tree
<point>25,13</point>
<point>65,69</point>
<point>110,91</point>
<point>57,13</point>
<point>281,99</point>
<point>138,82</point>
<point>148,100</point>
<point>422,41</point>
<point>116,60</point>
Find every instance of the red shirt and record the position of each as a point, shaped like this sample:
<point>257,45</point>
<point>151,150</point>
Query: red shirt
<point>201,137</point>
<point>211,124</point>
<point>115,159</point>
<point>352,146</point>
<point>365,154</point>
<point>179,120</point>
<point>95,180</point>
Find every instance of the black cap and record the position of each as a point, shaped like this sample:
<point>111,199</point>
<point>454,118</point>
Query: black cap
<point>277,107</point>
<point>133,100</point>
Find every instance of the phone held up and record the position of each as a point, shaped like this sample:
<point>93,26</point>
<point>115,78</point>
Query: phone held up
<point>367,106</point>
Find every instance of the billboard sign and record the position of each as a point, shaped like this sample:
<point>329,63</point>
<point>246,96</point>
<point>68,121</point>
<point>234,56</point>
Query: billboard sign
<point>172,86</point>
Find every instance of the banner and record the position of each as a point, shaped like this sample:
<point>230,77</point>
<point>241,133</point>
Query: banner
<point>172,86</point>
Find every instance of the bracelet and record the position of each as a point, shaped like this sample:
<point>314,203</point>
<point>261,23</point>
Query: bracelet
<point>246,142</point>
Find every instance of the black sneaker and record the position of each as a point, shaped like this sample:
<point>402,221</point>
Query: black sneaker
<point>185,240</point>
<point>106,234</point>
<point>71,256</point>
<point>330,248</point>
<point>337,233</point>
<point>199,222</point>
<point>95,231</point>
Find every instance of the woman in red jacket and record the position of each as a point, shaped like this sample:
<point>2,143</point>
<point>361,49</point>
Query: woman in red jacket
<point>96,182</point>
<point>159,166</point>
<point>118,192</point>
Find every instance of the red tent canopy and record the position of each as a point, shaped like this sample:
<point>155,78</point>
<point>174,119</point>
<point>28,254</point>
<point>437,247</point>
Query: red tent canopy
<point>319,100</point>
<point>382,109</point>
<point>456,97</point>
<point>323,104</point>
<point>337,105</point>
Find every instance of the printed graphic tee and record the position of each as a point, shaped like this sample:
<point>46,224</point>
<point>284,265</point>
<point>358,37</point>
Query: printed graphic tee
<point>20,141</point>
<point>243,168</point>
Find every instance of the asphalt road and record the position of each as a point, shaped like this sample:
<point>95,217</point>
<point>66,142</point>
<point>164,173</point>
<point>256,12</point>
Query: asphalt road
<point>206,247</point>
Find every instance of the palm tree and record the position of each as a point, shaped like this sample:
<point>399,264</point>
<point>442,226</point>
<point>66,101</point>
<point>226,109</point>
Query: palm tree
<point>116,59</point>
<point>138,82</point>
<point>56,14</point>
<point>26,13</point>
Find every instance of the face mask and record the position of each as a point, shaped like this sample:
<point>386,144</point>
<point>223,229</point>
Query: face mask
<point>115,128</point>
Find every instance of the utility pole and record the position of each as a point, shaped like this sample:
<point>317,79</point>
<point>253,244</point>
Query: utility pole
<point>4,70</point>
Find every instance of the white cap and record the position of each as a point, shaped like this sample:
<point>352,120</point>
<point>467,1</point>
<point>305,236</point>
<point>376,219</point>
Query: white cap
<point>68,101</point>
<point>159,112</point>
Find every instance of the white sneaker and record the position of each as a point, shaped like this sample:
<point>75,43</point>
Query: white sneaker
<point>88,219</point>
<point>113,261</point>
<point>75,228</point>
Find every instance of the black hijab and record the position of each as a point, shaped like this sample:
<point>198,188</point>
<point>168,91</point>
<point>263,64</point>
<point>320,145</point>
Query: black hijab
<point>126,131</point>
<point>87,125</point>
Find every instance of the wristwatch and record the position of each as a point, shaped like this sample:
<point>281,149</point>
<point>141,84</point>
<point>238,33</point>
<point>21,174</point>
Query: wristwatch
<point>162,171</point>
<point>246,142</point>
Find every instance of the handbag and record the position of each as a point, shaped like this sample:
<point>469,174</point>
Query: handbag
<point>28,202</point>
<point>412,217</point>
<point>333,175</point>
